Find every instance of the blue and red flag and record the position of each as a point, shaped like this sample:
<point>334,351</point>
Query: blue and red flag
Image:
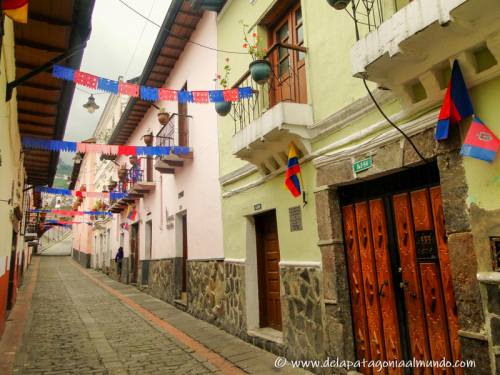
<point>480,142</point>
<point>126,226</point>
<point>292,182</point>
<point>456,105</point>
<point>131,212</point>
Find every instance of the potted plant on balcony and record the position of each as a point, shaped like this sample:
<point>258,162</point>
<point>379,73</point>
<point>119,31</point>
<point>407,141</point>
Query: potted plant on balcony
<point>43,214</point>
<point>96,206</point>
<point>83,188</point>
<point>148,137</point>
<point>122,172</point>
<point>112,184</point>
<point>260,68</point>
<point>103,206</point>
<point>223,108</point>
<point>133,160</point>
<point>163,116</point>
<point>104,189</point>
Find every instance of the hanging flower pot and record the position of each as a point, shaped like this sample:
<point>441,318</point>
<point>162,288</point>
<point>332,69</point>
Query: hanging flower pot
<point>223,108</point>
<point>148,139</point>
<point>94,210</point>
<point>41,226</point>
<point>133,160</point>
<point>83,188</point>
<point>163,117</point>
<point>103,206</point>
<point>111,185</point>
<point>43,215</point>
<point>260,71</point>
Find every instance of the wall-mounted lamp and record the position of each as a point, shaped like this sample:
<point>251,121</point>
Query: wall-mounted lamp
<point>339,4</point>
<point>90,105</point>
<point>77,159</point>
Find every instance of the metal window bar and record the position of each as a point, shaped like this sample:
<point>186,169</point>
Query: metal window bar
<point>166,135</point>
<point>371,13</point>
<point>278,89</point>
<point>30,218</point>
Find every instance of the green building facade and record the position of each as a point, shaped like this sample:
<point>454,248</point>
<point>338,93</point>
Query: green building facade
<point>395,261</point>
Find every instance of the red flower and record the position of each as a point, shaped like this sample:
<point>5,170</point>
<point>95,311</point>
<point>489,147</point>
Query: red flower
<point>245,45</point>
<point>257,36</point>
<point>254,34</point>
<point>264,49</point>
<point>227,59</point>
<point>218,76</point>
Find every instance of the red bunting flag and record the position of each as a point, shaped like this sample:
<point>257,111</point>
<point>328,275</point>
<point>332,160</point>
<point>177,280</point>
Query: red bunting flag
<point>129,89</point>
<point>200,96</point>
<point>85,79</point>
<point>231,95</point>
<point>167,95</point>
<point>126,150</point>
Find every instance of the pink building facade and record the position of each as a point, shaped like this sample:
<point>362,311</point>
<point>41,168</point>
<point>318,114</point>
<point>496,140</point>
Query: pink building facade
<point>173,246</point>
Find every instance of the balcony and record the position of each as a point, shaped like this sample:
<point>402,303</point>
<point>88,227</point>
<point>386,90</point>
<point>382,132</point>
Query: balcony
<point>411,52</point>
<point>166,138</point>
<point>137,183</point>
<point>276,114</point>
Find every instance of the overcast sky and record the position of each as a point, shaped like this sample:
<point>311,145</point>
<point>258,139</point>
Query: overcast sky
<point>116,32</point>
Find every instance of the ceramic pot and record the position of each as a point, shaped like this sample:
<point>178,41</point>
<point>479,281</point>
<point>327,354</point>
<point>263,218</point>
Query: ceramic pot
<point>223,108</point>
<point>260,71</point>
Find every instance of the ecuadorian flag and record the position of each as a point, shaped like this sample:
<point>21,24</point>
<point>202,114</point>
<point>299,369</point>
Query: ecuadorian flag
<point>292,182</point>
<point>456,105</point>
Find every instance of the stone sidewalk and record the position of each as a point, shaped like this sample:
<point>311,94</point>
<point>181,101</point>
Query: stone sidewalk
<point>82,322</point>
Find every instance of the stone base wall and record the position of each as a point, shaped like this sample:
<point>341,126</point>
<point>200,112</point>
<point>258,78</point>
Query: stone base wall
<point>235,299</point>
<point>303,313</point>
<point>205,291</point>
<point>83,259</point>
<point>161,283</point>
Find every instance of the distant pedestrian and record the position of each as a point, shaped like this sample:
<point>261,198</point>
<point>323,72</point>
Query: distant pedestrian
<point>118,260</point>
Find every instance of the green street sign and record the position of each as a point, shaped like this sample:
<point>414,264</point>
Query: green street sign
<point>362,165</point>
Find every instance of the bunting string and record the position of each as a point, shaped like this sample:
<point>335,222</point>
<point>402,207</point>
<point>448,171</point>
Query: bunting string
<point>78,193</point>
<point>65,222</point>
<point>74,213</point>
<point>150,93</point>
<point>50,145</point>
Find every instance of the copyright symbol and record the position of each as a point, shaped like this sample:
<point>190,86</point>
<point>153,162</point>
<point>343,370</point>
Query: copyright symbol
<point>280,362</point>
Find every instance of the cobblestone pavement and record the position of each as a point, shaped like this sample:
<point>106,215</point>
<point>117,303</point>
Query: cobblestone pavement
<point>82,322</point>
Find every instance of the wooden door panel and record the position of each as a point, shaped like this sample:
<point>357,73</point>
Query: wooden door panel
<point>370,283</point>
<point>411,281</point>
<point>422,215</point>
<point>436,316</point>
<point>444,262</point>
<point>385,284</point>
<point>272,258</point>
<point>361,335</point>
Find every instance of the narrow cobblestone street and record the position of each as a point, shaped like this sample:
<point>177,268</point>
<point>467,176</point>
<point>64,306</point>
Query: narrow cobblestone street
<point>82,322</point>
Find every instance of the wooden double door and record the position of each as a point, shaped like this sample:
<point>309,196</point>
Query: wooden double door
<point>400,281</point>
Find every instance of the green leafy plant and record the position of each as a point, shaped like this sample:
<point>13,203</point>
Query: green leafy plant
<point>255,49</point>
<point>224,81</point>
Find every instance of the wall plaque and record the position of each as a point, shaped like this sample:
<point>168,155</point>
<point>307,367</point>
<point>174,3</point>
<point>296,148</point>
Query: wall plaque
<point>295,218</point>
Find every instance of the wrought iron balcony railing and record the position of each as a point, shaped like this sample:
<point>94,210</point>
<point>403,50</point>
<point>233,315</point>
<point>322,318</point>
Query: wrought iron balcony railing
<point>166,135</point>
<point>286,84</point>
<point>369,14</point>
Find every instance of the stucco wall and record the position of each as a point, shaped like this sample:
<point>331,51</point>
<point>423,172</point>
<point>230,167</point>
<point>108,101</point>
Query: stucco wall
<point>198,179</point>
